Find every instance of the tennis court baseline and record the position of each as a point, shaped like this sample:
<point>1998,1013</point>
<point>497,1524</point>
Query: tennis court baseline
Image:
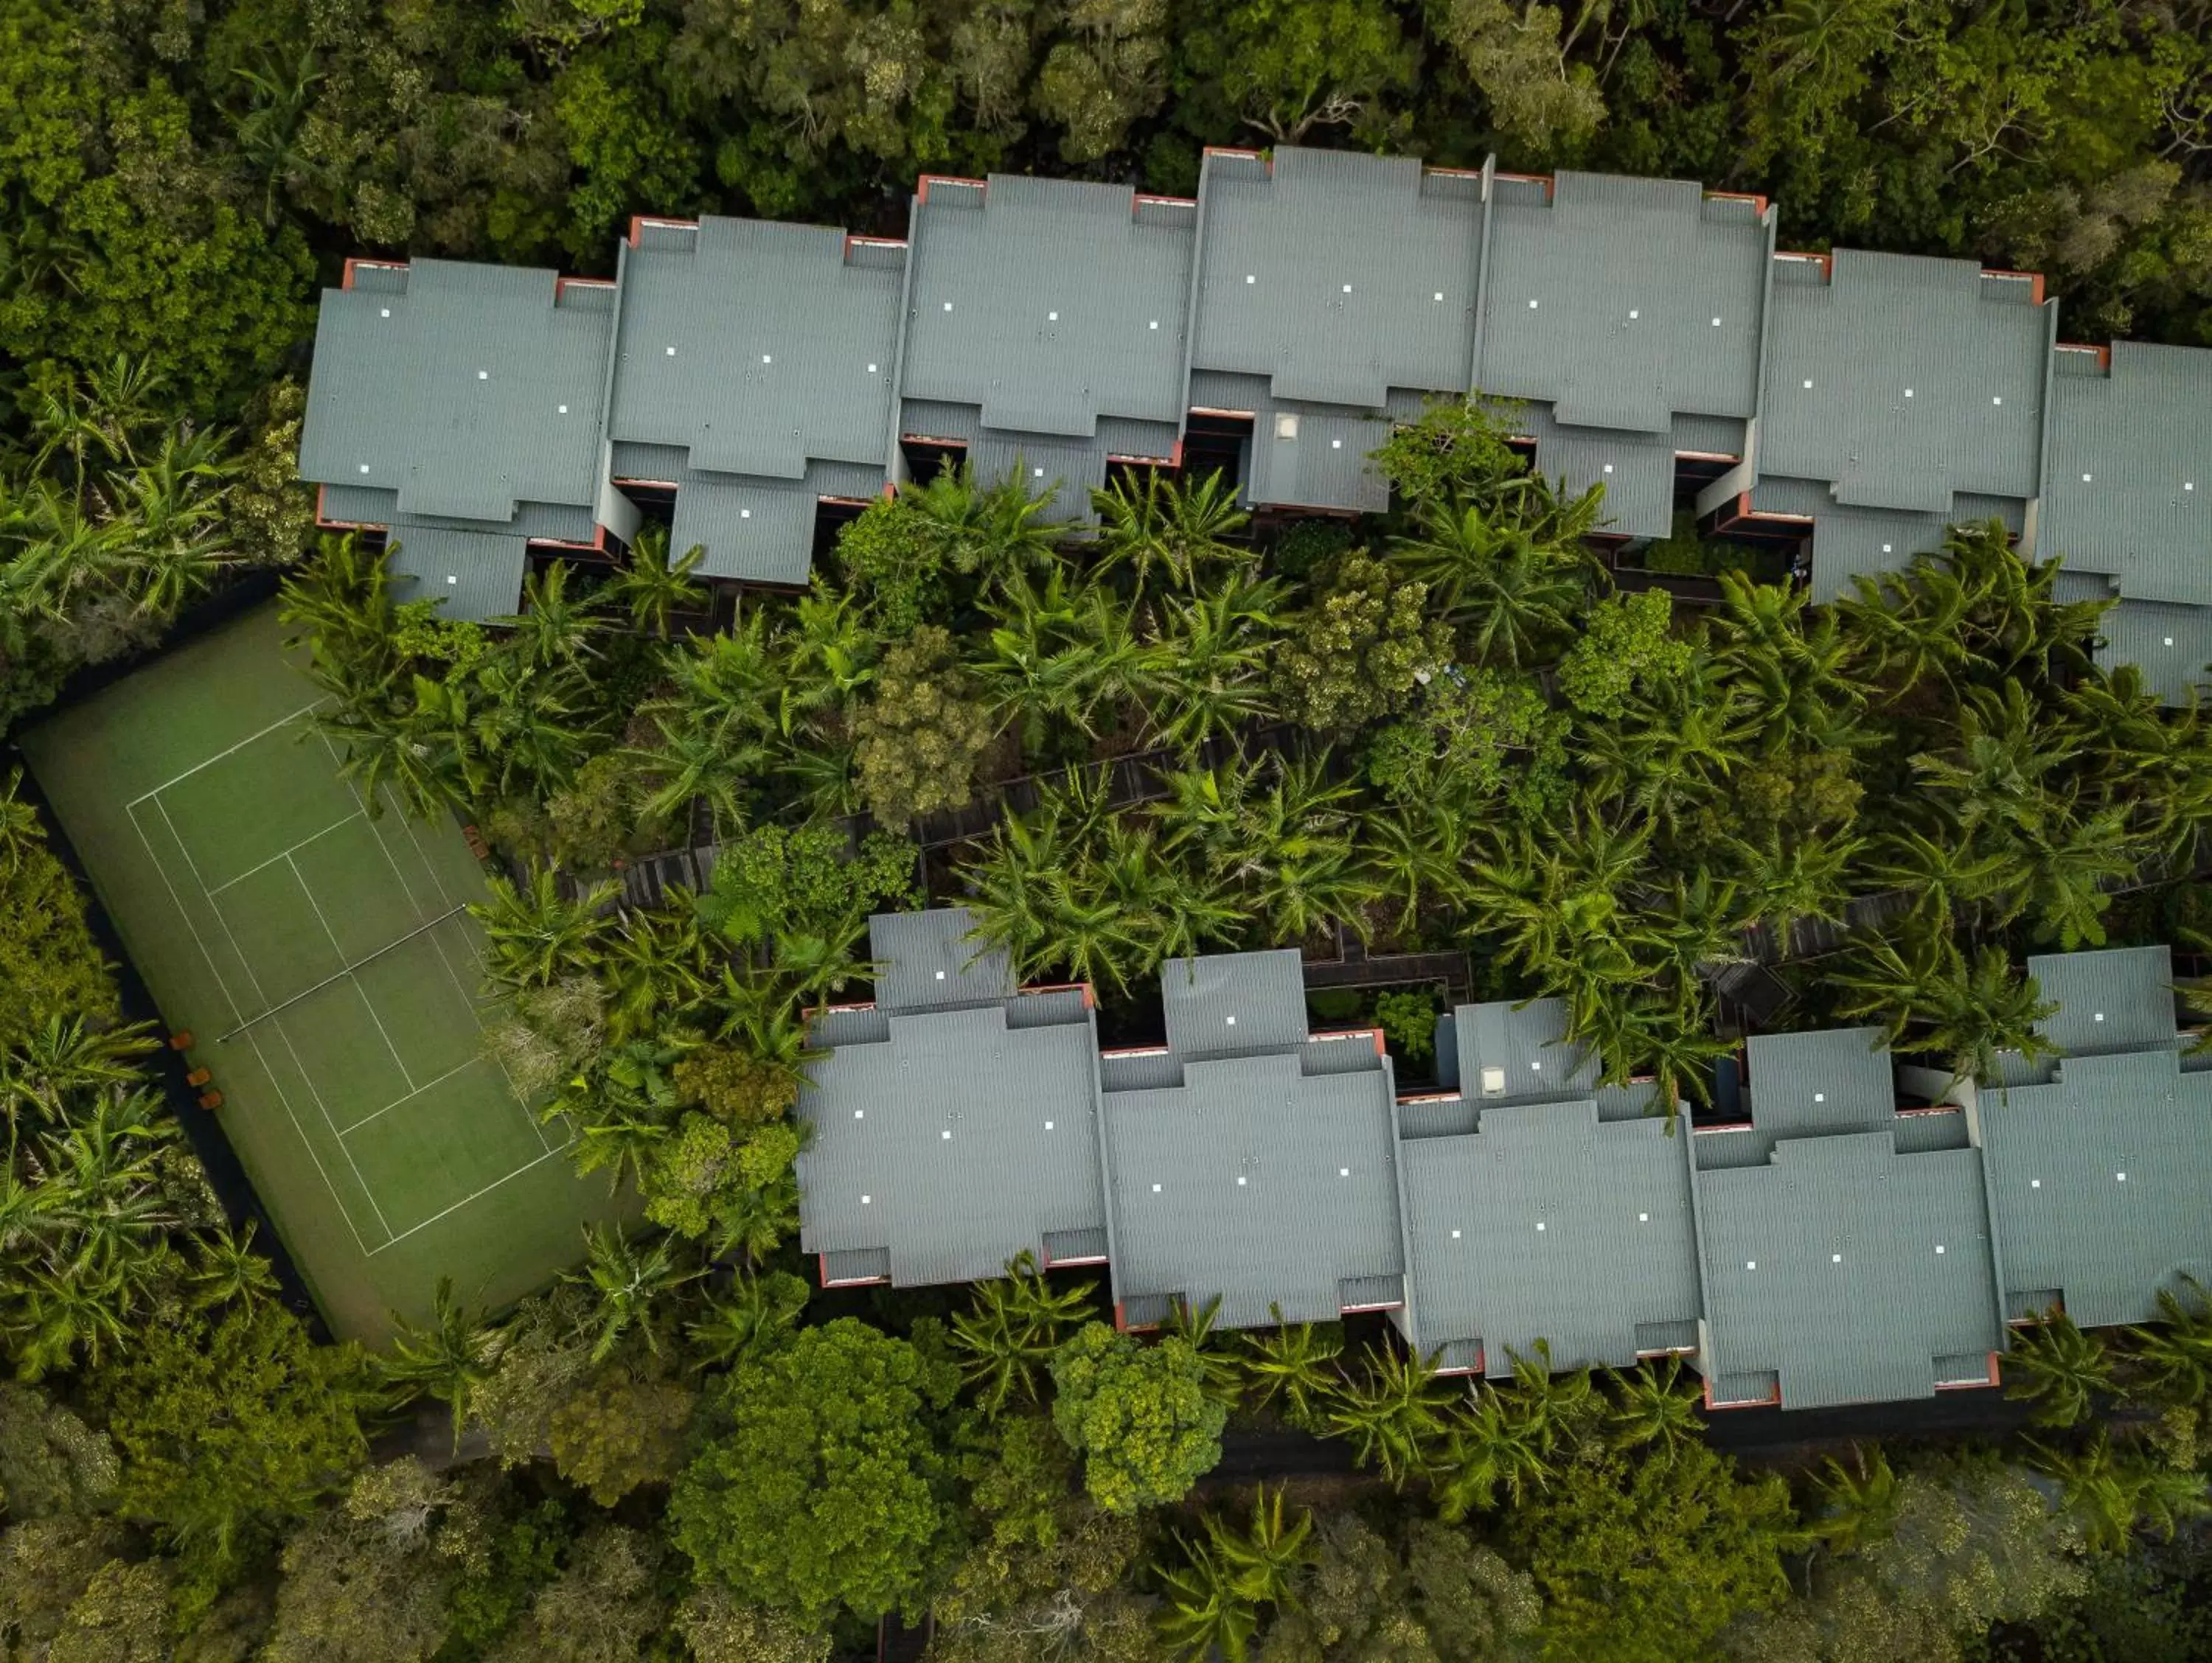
<point>323,958</point>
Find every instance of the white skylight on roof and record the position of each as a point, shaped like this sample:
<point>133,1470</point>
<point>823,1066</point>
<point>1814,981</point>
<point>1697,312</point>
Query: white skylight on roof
<point>1835,1258</point>
<point>1347,288</point>
<point>1231,1020</point>
<point>1939,1247</point>
<point>1493,1082</point>
<point>1751,1263</point>
<point>385,313</point>
<point>1996,400</point>
<point>2120,1177</point>
<point>1643,1218</point>
<point>1286,426</point>
<point>1344,1172</point>
<point>564,410</point>
<point>1819,1097</point>
<point>1240,1181</point>
<point>1634,314</point>
<point>1540,1223</point>
<point>484,375</point>
<point>1048,1126</point>
<point>946,1134</point>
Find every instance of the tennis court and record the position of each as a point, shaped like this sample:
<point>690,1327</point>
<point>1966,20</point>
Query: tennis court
<point>322,959</point>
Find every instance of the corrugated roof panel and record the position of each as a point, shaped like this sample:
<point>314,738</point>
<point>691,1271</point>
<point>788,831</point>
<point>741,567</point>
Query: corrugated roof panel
<point>1837,1080</point>
<point>1226,1005</point>
<point>1850,543</point>
<point>955,1144</point>
<point>1069,469</point>
<point>1338,276</point>
<point>1644,305</point>
<point>753,530</point>
<point>756,348</point>
<point>1049,303</point>
<point>2128,490</point>
<point>2172,645</point>
<point>930,961</point>
<point>475,389</point>
<point>1504,1053</point>
<point>2120,999</point>
<point>1255,1183</point>
<point>1302,457</point>
<point>474,575</point>
<point>2098,1183</point>
<point>1636,469</point>
<point>1824,1267</point>
<point>1899,382</point>
<point>1548,1223</point>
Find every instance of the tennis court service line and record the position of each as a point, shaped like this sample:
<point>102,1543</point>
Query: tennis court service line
<point>285,855</point>
<point>192,930</point>
<point>397,1103</point>
<point>314,1090</point>
<point>228,750</point>
<point>464,1201</point>
<point>337,947</point>
<point>341,975</point>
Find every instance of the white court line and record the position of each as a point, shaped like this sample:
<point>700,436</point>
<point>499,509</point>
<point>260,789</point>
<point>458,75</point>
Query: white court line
<point>465,1200</point>
<point>285,855</point>
<point>397,1103</point>
<point>367,1002</point>
<point>467,998</point>
<point>211,761</point>
<point>314,1090</point>
<point>282,1097</point>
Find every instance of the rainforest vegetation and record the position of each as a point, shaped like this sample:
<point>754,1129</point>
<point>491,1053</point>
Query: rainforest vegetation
<point>1446,728</point>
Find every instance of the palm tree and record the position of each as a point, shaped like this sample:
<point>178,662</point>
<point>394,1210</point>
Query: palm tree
<point>652,963</point>
<point>229,1272</point>
<point>1295,1362</point>
<point>628,1280</point>
<point>1968,1012</point>
<point>1010,1330</point>
<point>1945,874</point>
<point>536,935</point>
<point>753,1223</point>
<point>1857,1504</point>
<point>1179,527</point>
<point>1560,1404</point>
<point>1204,1617</point>
<point>1393,1412</point>
<point>750,1316</point>
<point>1507,575</point>
<point>447,1357</point>
<point>2060,1369</point>
<point>65,1055</point>
<point>1655,1406</point>
<point>553,627</point>
<point>1212,649</point>
<point>2112,1493</point>
<point>2175,1354</point>
<point>652,587</point>
<point>20,831</point>
<point>1263,1562</point>
<point>1493,1441</point>
<point>995,532</point>
<point>1413,851</point>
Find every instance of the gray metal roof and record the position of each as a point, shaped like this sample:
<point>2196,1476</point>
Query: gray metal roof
<point>1309,456</point>
<point>2129,489</point>
<point>2098,1183</point>
<point>1228,1004</point>
<point>2119,999</point>
<point>1525,1044</point>
<point>552,522</point>
<point>760,531</point>
<point>958,1141</point>
<point>2171,645</point>
<point>1903,381</point>
<point>1851,1272</point>
<point>1338,276</point>
<point>1636,469</point>
<point>475,575</point>
<point>1049,302</point>
<point>1837,1080</point>
<point>1621,301</point>
<point>755,346</point>
<point>1549,1223</point>
<point>929,961</point>
<point>467,390</point>
<point>1068,468</point>
<point>1258,1184</point>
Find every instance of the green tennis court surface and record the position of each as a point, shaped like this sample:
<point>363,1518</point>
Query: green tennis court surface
<point>323,962</point>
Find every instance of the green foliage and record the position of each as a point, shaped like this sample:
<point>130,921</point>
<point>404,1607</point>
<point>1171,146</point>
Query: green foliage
<point>619,1433</point>
<point>1625,648</point>
<point>50,1462</point>
<point>1455,453</point>
<point>1408,1022</point>
<point>231,1427</point>
<point>825,1479</point>
<point>1140,1415</point>
<point>920,737</point>
<point>521,1555</point>
<point>776,881</point>
<point>1476,736</point>
<point>50,970</point>
<point>1361,651</point>
<point>1642,1559</point>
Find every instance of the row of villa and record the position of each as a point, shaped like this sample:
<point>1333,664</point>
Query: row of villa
<point>743,377</point>
<point>1868,1232</point>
